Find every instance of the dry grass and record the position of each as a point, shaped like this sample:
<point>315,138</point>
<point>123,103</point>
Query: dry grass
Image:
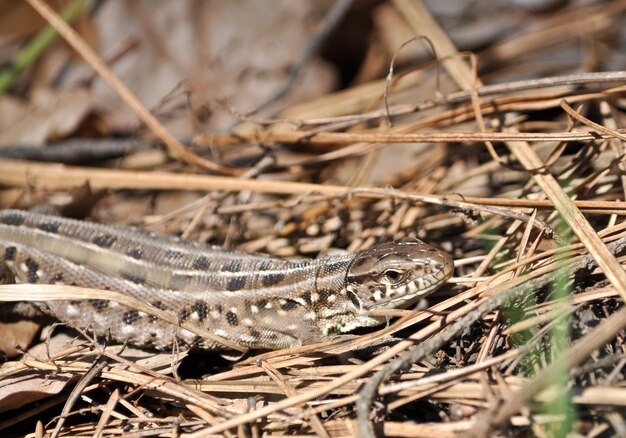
<point>500,348</point>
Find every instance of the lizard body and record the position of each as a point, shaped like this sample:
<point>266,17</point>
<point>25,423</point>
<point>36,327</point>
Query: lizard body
<point>255,300</point>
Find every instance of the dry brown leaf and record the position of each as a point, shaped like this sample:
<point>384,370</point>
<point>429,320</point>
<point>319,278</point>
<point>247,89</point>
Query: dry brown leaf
<point>195,42</point>
<point>16,336</point>
<point>51,114</point>
<point>19,390</point>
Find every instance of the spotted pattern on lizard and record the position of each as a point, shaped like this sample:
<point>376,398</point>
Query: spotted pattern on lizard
<point>255,300</point>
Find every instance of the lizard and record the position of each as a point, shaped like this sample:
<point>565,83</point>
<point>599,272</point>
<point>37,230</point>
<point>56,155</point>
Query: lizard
<point>255,300</point>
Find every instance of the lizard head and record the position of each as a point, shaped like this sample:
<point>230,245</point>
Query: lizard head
<point>396,274</point>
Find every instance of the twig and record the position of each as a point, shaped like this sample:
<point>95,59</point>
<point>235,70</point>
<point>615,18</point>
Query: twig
<point>55,177</point>
<point>459,97</point>
<point>335,138</point>
<point>77,150</point>
<point>389,78</point>
<point>97,367</point>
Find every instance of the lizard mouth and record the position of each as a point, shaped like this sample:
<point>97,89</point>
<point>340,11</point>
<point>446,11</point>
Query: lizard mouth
<point>402,295</point>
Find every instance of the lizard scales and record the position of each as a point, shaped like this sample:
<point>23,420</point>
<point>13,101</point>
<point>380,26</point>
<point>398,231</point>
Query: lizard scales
<point>255,300</point>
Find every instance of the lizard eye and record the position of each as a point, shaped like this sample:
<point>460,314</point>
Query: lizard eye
<point>393,276</point>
